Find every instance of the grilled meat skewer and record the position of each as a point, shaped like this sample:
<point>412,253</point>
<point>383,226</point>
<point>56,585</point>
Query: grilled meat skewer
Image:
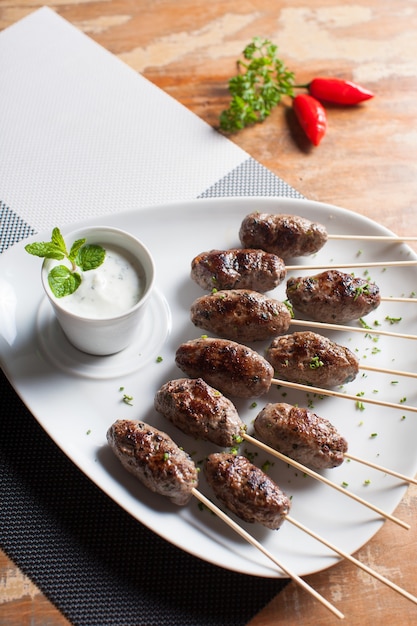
<point>200,411</point>
<point>154,458</point>
<point>308,358</point>
<point>231,367</point>
<point>246,490</point>
<point>241,315</point>
<point>301,434</point>
<point>333,296</point>
<point>238,269</point>
<point>284,235</point>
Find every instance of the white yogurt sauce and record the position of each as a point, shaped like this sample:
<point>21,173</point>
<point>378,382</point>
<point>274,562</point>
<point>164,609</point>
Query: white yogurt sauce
<point>111,289</point>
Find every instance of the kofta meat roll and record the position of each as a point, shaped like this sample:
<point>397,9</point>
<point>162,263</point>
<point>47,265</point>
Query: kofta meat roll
<point>284,235</point>
<point>230,367</point>
<point>153,457</point>
<point>238,269</point>
<point>200,411</point>
<point>241,315</point>
<point>333,296</point>
<point>301,435</point>
<point>311,359</point>
<point>246,490</point>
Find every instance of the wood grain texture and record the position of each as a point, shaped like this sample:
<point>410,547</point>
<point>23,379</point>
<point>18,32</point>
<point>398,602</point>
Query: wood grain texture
<point>367,163</point>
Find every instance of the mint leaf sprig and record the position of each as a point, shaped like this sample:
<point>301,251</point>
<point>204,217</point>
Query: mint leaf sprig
<point>258,88</point>
<point>64,280</point>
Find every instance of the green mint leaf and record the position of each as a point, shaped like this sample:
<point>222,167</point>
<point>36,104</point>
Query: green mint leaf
<point>75,249</point>
<point>45,249</point>
<point>90,256</point>
<point>62,281</point>
<point>58,240</point>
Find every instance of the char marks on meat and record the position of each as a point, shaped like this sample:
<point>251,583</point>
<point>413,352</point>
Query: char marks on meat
<point>246,490</point>
<point>285,235</point>
<point>230,367</point>
<point>241,315</point>
<point>301,435</point>
<point>238,269</point>
<point>311,359</point>
<point>200,411</point>
<point>154,458</point>
<point>333,296</point>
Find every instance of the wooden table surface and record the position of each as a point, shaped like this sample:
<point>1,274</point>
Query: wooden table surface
<point>367,162</point>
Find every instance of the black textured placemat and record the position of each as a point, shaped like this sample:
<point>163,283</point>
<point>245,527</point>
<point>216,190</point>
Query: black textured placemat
<point>97,564</point>
<point>94,561</point>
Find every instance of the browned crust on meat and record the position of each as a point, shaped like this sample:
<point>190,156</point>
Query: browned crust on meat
<point>200,411</point>
<point>246,490</point>
<point>333,296</point>
<point>154,458</point>
<point>238,269</point>
<point>312,359</point>
<point>230,367</point>
<point>241,315</point>
<point>301,435</point>
<point>281,234</point>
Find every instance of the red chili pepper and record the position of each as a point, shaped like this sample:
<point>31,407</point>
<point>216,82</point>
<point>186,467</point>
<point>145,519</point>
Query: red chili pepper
<point>338,91</point>
<point>312,117</point>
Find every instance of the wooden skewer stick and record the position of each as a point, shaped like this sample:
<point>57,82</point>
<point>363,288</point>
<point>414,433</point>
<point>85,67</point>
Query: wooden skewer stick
<point>391,472</point>
<point>242,532</point>
<point>353,265</point>
<point>323,479</point>
<point>398,299</point>
<point>339,394</point>
<point>355,329</point>
<point>347,455</point>
<point>297,579</point>
<point>352,559</point>
<point>383,370</point>
<point>388,238</point>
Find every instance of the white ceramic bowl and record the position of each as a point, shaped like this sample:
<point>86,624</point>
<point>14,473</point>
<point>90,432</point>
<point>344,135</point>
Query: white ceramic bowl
<point>108,334</point>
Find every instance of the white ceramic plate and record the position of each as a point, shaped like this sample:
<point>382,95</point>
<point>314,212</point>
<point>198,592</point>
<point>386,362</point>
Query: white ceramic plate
<point>76,397</point>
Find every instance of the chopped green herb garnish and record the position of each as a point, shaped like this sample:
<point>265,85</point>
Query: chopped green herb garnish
<point>289,307</point>
<point>393,320</point>
<point>361,289</point>
<point>265,467</point>
<point>315,363</point>
<point>359,404</point>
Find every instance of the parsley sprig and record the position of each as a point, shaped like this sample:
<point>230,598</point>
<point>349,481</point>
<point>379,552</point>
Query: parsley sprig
<point>258,88</point>
<point>64,280</point>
